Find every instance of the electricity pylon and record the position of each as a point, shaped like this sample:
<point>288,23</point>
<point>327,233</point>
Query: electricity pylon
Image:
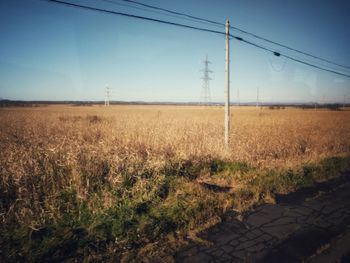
<point>107,96</point>
<point>205,95</point>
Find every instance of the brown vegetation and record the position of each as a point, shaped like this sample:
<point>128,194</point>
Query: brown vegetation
<point>97,182</point>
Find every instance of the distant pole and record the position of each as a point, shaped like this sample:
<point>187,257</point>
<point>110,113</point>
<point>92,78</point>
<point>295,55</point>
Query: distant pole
<point>107,95</point>
<point>238,99</point>
<point>227,86</point>
<point>257,97</point>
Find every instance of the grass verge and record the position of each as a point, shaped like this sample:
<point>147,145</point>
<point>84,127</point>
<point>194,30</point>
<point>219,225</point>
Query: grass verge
<point>148,215</point>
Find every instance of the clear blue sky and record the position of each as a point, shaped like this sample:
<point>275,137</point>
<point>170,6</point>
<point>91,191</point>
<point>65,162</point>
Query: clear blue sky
<point>54,52</point>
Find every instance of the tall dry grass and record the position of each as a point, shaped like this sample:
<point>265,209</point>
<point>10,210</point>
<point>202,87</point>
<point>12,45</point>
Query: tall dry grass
<point>125,173</point>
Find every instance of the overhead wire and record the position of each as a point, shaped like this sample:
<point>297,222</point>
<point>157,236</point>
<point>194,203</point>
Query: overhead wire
<point>273,65</point>
<point>153,10</point>
<point>199,29</point>
<point>134,16</point>
<point>175,13</point>
<point>290,48</point>
<point>291,58</point>
<point>239,30</point>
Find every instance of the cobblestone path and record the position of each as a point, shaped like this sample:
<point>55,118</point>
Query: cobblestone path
<point>290,231</point>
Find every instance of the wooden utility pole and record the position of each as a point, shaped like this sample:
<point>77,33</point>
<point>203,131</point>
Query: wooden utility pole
<point>227,85</point>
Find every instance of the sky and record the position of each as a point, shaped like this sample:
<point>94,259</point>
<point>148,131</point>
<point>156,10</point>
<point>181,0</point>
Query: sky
<point>55,52</point>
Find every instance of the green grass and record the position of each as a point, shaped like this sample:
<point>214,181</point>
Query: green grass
<point>146,208</point>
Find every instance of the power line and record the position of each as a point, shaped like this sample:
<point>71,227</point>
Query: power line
<point>155,10</point>
<point>274,67</point>
<point>135,16</point>
<point>195,28</point>
<point>175,13</point>
<point>238,29</point>
<point>290,48</point>
<point>289,57</point>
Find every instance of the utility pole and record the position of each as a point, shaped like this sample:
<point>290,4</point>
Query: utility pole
<point>227,85</point>
<point>257,97</point>
<point>107,96</point>
<point>205,98</point>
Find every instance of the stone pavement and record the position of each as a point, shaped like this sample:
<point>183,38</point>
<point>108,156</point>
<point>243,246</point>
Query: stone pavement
<point>292,230</point>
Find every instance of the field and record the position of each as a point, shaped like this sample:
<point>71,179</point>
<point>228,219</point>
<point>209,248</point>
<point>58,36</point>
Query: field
<point>101,183</point>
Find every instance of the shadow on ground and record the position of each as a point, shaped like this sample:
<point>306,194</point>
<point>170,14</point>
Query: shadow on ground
<point>301,225</point>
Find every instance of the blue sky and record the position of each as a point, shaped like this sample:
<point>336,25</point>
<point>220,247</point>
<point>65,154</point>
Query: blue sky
<point>54,52</point>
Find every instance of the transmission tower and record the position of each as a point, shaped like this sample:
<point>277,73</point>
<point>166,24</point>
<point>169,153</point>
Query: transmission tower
<point>205,96</point>
<point>257,97</point>
<point>107,96</point>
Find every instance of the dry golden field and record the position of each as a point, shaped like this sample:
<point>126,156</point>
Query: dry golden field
<point>261,137</point>
<point>113,179</point>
